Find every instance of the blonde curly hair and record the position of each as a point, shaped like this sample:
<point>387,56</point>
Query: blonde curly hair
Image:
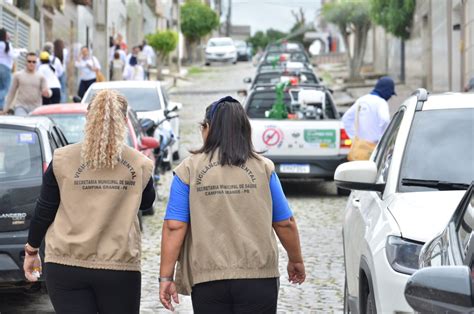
<point>105,130</point>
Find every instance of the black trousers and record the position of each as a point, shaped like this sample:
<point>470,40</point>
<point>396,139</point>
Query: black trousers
<point>256,296</point>
<point>84,86</point>
<point>75,290</point>
<point>54,99</point>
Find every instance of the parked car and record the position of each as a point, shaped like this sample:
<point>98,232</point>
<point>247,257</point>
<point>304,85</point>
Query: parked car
<point>274,77</point>
<point>244,52</point>
<point>150,100</point>
<point>71,118</point>
<point>221,49</point>
<point>403,197</point>
<point>448,288</point>
<point>26,149</point>
<point>310,143</point>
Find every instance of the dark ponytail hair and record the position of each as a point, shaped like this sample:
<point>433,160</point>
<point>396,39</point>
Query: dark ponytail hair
<point>3,37</point>
<point>58,49</point>
<point>230,133</point>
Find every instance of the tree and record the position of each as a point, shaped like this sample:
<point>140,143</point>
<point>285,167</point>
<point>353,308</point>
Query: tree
<point>352,18</point>
<point>197,21</point>
<point>261,39</point>
<point>396,17</point>
<point>163,43</point>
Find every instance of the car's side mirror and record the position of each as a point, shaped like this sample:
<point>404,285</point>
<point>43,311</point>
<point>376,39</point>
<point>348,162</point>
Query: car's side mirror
<point>358,175</point>
<point>149,143</point>
<point>242,93</point>
<point>441,289</point>
<point>76,99</point>
<point>247,80</point>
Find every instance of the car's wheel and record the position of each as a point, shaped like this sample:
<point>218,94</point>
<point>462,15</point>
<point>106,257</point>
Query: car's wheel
<point>343,192</point>
<point>234,62</point>
<point>207,64</point>
<point>371,309</point>
<point>346,298</point>
<point>176,156</point>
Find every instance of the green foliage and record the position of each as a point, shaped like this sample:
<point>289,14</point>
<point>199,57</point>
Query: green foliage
<point>347,15</point>
<point>197,20</point>
<point>163,42</point>
<point>261,39</point>
<point>396,16</point>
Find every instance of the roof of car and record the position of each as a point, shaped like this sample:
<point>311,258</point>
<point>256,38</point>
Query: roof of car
<point>126,84</point>
<point>60,109</point>
<point>448,100</point>
<point>27,121</point>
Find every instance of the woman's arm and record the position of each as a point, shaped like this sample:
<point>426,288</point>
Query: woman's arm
<point>172,239</point>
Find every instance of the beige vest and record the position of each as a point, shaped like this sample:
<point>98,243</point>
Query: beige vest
<point>230,235</point>
<point>96,225</point>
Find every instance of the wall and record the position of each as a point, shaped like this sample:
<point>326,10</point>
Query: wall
<point>117,16</point>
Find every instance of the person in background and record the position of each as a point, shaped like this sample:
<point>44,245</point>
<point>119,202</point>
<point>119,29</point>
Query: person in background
<point>48,71</point>
<point>7,57</point>
<point>28,88</point>
<point>133,71</point>
<point>54,60</point>
<point>150,57</point>
<point>60,53</point>
<point>117,67</point>
<point>93,267</point>
<point>372,112</point>
<point>135,52</point>
<point>88,66</point>
<point>226,204</point>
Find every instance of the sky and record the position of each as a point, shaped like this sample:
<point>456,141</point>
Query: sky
<point>265,14</point>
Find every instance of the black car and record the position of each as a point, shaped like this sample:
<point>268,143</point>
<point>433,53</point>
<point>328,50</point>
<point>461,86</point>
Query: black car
<point>446,282</point>
<point>26,149</point>
<point>277,76</point>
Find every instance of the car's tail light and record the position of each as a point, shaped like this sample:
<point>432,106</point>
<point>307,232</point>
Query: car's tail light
<point>45,166</point>
<point>345,139</point>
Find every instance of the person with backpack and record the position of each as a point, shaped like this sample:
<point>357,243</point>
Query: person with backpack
<point>49,72</point>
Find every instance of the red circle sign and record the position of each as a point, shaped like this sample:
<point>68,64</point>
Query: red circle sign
<point>271,137</point>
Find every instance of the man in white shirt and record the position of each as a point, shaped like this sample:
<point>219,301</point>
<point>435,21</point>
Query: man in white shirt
<point>374,115</point>
<point>148,51</point>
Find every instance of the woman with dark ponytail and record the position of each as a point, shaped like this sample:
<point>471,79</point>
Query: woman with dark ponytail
<point>7,55</point>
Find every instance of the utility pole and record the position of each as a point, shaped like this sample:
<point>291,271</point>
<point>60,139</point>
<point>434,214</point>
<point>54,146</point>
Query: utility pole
<point>218,8</point>
<point>229,17</point>
<point>178,29</point>
<point>100,40</point>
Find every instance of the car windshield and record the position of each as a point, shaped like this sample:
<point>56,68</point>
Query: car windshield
<point>220,42</point>
<point>20,155</point>
<point>439,147</point>
<point>273,78</point>
<point>139,99</point>
<point>262,101</point>
<point>72,125</point>
<point>286,56</point>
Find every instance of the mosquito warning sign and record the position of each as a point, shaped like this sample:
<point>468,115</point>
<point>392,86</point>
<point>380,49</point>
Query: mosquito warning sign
<point>272,136</point>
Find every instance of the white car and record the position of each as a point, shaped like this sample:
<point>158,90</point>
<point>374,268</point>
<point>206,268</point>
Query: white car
<point>149,100</point>
<point>403,197</point>
<point>221,49</point>
<point>310,143</point>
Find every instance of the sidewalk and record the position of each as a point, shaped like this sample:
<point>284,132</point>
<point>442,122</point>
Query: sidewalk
<point>345,94</point>
<point>170,80</point>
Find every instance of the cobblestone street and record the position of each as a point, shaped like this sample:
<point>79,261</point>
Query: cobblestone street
<point>318,210</point>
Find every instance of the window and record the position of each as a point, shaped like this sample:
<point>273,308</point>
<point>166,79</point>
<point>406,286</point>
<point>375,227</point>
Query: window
<point>139,99</point>
<point>20,155</point>
<point>384,150</point>
<point>439,147</point>
<point>466,227</point>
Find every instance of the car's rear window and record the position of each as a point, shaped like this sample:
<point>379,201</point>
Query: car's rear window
<point>439,147</point>
<point>273,78</point>
<point>295,56</point>
<point>20,155</point>
<point>139,99</point>
<point>260,102</point>
<point>72,126</point>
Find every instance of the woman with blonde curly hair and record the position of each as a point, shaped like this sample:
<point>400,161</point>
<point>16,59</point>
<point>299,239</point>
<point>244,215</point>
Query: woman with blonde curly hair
<point>87,210</point>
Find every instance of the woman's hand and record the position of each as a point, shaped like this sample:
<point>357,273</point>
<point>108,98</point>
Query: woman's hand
<point>168,291</point>
<point>296,272</point>
<point>32,267</point>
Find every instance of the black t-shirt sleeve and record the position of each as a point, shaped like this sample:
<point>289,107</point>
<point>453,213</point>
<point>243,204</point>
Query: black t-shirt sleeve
<point>46,208</point>
<point>148,195</point>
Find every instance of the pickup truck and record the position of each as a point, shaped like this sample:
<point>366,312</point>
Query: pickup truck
<point>308,140</point>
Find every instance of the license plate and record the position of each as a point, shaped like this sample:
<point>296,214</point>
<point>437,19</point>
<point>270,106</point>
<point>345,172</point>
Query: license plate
<point>294,168</point>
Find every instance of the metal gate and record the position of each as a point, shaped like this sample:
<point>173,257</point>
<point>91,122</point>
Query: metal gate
<point>19,30</point>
